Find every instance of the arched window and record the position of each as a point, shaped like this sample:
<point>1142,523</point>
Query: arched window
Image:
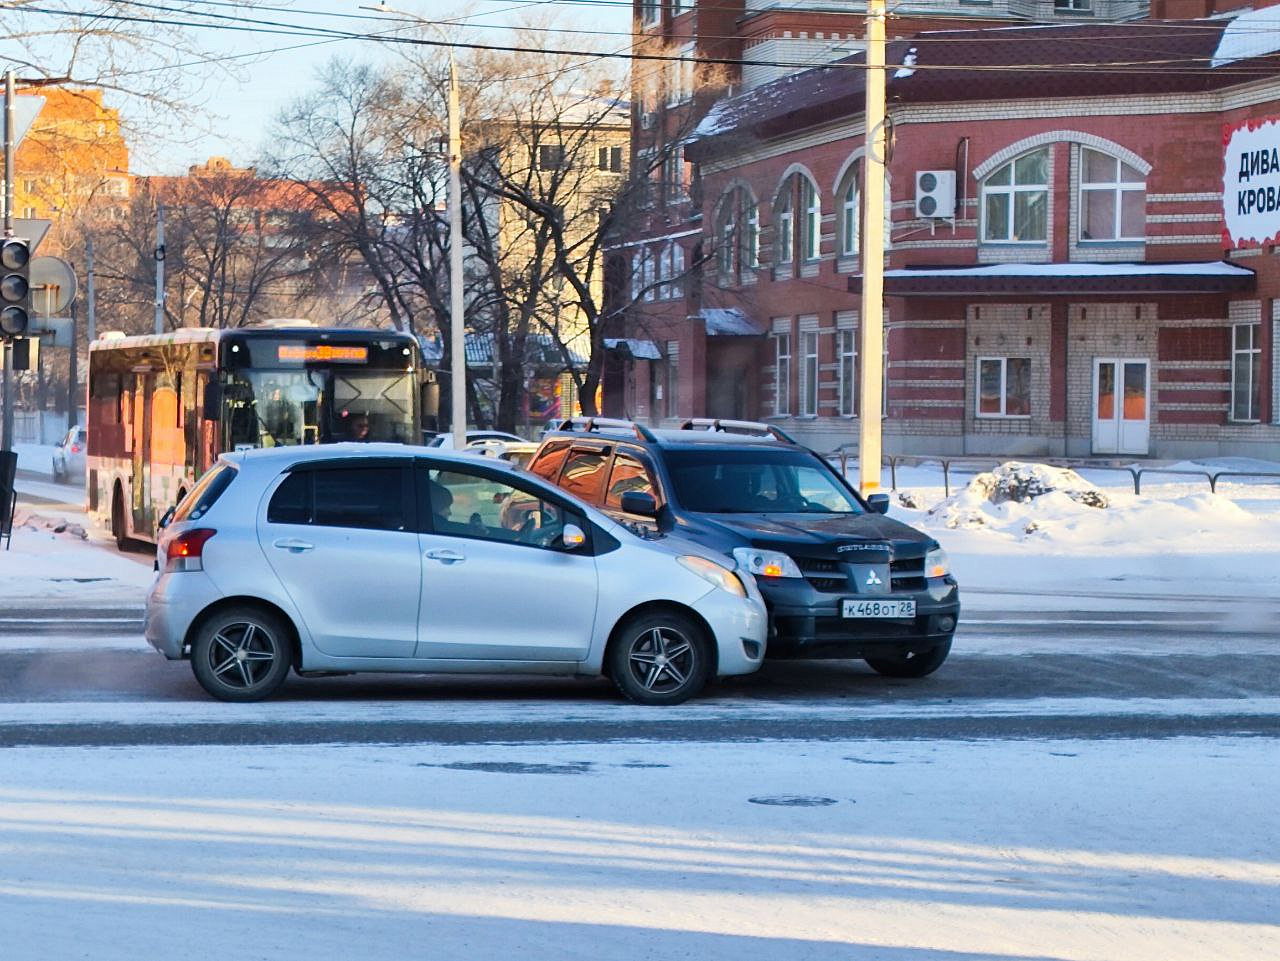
<point>1015,200</point>
<point>784,227</point>
<point>850,218</point>
<point>797,220</point>
<point>1113,198</point>
<point>737,233</point>
<point>849,221</point>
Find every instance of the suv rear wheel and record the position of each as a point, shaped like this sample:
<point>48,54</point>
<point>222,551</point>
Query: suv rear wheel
<point>659,658</point>
<point>241,654</point>
<point>918,664</point>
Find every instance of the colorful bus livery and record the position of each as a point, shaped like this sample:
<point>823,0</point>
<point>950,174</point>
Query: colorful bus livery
<point>163,406</point>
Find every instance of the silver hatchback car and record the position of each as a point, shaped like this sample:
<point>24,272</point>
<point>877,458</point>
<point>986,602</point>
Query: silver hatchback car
<point>370,557</point>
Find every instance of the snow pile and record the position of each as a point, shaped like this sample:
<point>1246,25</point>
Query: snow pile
<point>26,520</point>
<point>1018,483</point>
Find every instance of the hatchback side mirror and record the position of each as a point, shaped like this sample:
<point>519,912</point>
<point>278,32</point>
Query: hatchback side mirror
<point>166,518</point>
<point>639,502</point>
<point>572,537</point>
<point>878,503</point>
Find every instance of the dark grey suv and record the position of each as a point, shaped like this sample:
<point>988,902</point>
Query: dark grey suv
<point>840,578</point>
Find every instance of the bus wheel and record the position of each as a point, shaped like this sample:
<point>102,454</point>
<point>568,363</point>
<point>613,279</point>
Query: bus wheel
<point>117,520</point>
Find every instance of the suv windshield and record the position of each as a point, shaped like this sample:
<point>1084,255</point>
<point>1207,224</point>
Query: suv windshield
<point>757,482</point>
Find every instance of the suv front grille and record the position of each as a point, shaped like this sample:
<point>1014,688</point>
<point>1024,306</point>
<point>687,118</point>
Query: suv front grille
<point>907,574</point>
<point>823,575</point>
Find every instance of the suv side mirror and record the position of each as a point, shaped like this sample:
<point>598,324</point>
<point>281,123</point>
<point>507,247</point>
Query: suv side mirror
<point>878,503</point>
<point>639,502</point>
<point>166,517</point>
<point>572,537</point>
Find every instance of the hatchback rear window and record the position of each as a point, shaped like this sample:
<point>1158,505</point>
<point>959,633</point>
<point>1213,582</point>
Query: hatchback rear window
<point>210,487</point>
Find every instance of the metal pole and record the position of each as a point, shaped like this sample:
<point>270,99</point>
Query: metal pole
<point>457,320</point>
<point>8,153</point>
<point>6,391</point>
<point>159,268</point>
<point>872,313</point>
<point>73,376</point>
<point>91,330</point>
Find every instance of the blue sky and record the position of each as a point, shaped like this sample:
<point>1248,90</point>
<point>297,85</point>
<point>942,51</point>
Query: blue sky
<point>240,109</point>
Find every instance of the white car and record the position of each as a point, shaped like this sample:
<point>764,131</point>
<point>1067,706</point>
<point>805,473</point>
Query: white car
<point>69,456</point>
<point>475,438</point>
<point>380,557</point>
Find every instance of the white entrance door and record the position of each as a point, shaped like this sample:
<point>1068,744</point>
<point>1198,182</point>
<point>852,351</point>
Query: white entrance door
<point>1121,405</point>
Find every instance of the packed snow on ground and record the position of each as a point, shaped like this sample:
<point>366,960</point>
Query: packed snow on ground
<point>899,851</point>
<point>50,562</point>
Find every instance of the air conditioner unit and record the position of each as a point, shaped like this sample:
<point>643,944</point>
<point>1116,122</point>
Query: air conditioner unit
<point>935,193</point>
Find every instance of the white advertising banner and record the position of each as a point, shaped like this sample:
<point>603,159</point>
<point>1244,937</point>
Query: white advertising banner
<point>1251,183</point>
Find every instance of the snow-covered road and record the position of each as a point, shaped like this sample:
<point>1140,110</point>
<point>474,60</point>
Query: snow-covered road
<point>1065,850</point>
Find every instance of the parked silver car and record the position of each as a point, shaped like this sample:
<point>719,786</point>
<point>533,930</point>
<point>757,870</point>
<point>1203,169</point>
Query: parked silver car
<point>69,456</point>
<point>373,557</point>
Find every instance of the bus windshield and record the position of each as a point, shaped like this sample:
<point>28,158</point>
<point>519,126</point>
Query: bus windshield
<point>317,405</point>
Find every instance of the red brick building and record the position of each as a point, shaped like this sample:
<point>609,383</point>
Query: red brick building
<point>1079,299</point>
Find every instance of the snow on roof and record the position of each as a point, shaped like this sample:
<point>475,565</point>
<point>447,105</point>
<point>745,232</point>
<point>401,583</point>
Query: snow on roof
<point>639,349</point>
<point>1252,34</point>
<point>729,322</point>
<point>1214,268</point>
<point>908,65</point>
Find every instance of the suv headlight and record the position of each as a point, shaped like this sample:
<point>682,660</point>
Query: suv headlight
<point>714,574</point>
<point>936,563</point>
<point>765,563</point>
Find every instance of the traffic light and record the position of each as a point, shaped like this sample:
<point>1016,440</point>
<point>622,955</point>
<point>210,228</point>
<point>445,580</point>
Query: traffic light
<point>15,287</point>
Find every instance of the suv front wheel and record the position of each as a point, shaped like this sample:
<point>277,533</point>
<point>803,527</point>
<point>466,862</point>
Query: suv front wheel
<point>918,664</point>
<point>659,658</point>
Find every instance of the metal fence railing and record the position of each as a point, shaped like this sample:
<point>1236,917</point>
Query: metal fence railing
<point>846,453</point>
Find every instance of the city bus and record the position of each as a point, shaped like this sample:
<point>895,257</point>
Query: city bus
<point>162,407</point>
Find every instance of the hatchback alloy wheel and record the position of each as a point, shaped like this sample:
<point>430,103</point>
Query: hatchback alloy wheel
<point>660,659</point>
<point>242,655</point>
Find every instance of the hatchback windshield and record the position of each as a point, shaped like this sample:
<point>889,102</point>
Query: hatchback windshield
<point>757,482</point>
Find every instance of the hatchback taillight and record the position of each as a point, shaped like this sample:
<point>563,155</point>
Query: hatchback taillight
<point>185,552</point>
<point>75,448</point>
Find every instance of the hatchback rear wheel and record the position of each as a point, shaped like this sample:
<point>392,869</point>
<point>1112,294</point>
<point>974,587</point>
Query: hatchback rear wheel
<point>659,658</point>
<point>242,654</point>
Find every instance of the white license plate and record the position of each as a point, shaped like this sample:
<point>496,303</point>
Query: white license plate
<point>857,608</point>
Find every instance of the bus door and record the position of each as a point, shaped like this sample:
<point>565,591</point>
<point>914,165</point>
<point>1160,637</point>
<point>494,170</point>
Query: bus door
<point>144,385</point>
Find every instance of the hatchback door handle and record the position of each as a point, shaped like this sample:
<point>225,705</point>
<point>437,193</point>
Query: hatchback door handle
<point>293,545</point>
<point>445,554</point>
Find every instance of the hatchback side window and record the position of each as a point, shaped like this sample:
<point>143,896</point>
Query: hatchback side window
<point>627,474</point>
<point>460,503</point>
<point>371,498</point>
<point>584,474</point>
<point>291,503</point>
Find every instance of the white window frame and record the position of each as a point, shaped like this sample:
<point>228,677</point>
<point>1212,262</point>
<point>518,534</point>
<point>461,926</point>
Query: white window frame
<point>808,363</point>
<point>1004,388</point>
<point>1118,188</point>
<point>650,12</point>
<point>1253,373</point>
<point>850,219</point>
<point>812,203</point>
<point>751,240</point>
<point>1012,189</point>
<point>847,353</point>
<point>647,271</point>
<point>785,241</point>
<point>675,285</point>
<point>673,378</point>
<point>781,374</point>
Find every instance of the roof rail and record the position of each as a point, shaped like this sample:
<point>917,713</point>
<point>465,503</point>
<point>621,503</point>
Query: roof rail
<point>737,427</point>
<point>588,424</point>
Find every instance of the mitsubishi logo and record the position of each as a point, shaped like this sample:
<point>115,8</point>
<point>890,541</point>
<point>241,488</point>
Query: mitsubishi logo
<point>873,578</point>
